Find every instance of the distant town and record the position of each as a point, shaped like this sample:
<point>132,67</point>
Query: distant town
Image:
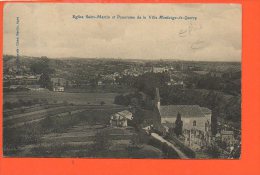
<point>121,108</point>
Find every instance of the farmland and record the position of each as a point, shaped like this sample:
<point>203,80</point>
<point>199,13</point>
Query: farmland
<point>50,96</point>
<point>78,142</point>
<point>67,125</point>
<point>54,104</point>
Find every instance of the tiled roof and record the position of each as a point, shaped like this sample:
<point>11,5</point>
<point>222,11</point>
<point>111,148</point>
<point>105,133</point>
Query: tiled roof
<point>184,110</point>
<point>122,115</point>
<point>205,110</point>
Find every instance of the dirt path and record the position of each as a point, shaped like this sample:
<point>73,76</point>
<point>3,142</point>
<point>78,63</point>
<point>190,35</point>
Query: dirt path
<point>179,152</point>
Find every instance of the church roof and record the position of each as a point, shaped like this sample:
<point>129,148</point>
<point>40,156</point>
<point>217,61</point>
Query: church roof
<point>205,110</point>
<point>186,111</point>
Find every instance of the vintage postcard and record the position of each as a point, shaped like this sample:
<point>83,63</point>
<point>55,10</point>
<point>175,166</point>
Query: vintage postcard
<point>160,81</point>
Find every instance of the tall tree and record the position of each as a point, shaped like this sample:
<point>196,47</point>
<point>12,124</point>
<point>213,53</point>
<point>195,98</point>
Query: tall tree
<point>45,81</point>
<point>178,125</point>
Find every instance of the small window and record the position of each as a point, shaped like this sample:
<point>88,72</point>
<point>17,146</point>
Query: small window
<point>194,123</point>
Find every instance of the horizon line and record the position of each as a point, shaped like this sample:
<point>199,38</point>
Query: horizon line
<point>118,58</point>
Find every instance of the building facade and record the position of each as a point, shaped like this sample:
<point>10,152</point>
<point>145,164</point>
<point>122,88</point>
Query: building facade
<point>193,116</point>
<point>119,119</point>
<point>196,122</point>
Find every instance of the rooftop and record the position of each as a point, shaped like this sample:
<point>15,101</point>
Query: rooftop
<point>205,110</point>
<point>184,110</point>
<point>122,115</point>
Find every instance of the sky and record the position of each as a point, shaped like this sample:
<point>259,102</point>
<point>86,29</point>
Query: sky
<point>50,30</point>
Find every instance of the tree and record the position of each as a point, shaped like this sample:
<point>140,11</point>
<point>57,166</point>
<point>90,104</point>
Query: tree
<point>122,100</point>
<point>178,125</point>
<point>149,81</point>
<point>45,81</point>
<point>216,104</point>
<point>41,66</point>
<point>138,116</point>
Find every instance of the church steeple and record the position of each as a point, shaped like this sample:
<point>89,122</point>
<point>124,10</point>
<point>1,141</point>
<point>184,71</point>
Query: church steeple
<point>157,99</point>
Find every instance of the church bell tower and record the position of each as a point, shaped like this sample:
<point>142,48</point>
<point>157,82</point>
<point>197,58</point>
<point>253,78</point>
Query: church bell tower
<point>157,99</point>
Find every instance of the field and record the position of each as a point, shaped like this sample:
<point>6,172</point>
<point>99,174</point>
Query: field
<point>78,142</point>
<point>76,98</point>
<point>54,104</point>
<point>66,125</point>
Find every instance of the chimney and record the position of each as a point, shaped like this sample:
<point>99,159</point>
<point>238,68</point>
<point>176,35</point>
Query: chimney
<point>157,98</point>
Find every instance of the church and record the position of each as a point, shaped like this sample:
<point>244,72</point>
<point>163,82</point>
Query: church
<point>193,116</point>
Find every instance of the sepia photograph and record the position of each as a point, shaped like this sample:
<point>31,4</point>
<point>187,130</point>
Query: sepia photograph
<point>126,81</point>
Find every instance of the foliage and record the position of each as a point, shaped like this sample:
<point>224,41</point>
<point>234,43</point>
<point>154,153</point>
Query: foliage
<point>138,116</point>
<point>136,99</point>
<point>41,66</point>
<point>149,81</point>
<point>122,100</point>
<point>168,151</point>
<point>214,151</point>
<point>138,140</point>
<point>45,81</point>
<point>178,125</point>
<point>16,137</point>
<point>22,103</point>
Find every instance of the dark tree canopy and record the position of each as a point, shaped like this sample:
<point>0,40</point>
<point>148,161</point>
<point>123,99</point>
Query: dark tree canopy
<point>41,66</point>
<point>149,81</point>
<point>178,125</point>
<point>45,81</point>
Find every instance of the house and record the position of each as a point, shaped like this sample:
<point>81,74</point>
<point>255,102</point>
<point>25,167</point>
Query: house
<point>217,74</point>
<point>100,83</point>
<point>60,82</point>
<point>119,119</point>
<point>158,69</point>
<point>58,89</point>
